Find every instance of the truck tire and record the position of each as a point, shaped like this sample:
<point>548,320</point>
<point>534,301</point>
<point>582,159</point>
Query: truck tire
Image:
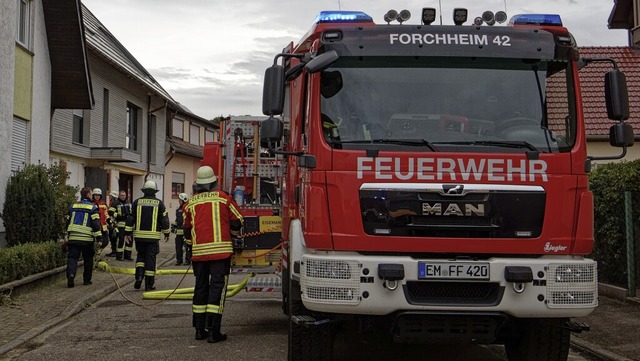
<point>307,343</point>
<point>538,340</point>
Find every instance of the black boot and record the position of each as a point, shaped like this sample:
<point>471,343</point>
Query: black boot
<point>148,283</point>
<point>127,256</point>
<point>139,277</point>
<point>70,282</point>
<point>214,334</point>
<point>201,334</point>
<point>119,256</point>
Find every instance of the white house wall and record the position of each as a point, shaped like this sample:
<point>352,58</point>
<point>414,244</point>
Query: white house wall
<point>41,91</point>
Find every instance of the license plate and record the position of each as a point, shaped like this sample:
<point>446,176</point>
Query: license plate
<point>453,270</point>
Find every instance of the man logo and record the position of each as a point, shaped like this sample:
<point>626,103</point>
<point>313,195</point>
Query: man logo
<point>454,190</point>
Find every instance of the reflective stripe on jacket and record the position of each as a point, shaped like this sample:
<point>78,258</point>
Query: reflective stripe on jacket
<point>207,223</point>
<point>84,221</point>
<point>149,219</point>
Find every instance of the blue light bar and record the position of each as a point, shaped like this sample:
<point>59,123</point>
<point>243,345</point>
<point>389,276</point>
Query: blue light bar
<point>342,17</point>
<point>536,19</point>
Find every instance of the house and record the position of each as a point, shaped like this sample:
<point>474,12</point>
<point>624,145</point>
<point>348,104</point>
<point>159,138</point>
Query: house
<point>119,144</point>
<point>626,15</point>
<point>593,98</point>
<point>186,136</point>
<point>43,67</point>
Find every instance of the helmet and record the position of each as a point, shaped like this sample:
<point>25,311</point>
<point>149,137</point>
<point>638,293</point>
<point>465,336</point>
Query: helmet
<point>205,175</point>
<point>113,194</point>
<point>150,186</point>
<point>183,197</point>
<point>97,191</point>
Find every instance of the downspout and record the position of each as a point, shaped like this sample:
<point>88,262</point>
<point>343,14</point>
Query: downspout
<point>148,137</point>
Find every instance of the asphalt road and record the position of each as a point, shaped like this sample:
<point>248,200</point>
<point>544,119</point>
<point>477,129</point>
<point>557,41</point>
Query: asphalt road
<point>116,329</point>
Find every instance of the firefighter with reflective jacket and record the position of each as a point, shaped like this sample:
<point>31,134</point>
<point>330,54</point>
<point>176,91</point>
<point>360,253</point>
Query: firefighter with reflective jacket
<point>83,230</point>
<point>211,218</point>
<point>148,222</point>
<point>103,212</point>
<point>176,227</point>
<point>120,211</point>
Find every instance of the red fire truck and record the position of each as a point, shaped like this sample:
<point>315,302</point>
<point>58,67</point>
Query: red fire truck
<point>436,182</point>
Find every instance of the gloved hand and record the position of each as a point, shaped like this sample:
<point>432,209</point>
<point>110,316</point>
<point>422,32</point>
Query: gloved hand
<point>174,228</point>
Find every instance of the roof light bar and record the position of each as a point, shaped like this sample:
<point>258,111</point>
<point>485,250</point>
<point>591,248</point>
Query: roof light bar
<point>536,19</point>
<point>342,17</point>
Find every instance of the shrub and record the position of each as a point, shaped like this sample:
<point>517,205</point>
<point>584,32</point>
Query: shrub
<point>23,260</point>
<point>36,204</point>
<point>608,183</point>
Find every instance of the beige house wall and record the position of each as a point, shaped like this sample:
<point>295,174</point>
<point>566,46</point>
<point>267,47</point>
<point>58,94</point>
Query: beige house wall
<point>181,164</point>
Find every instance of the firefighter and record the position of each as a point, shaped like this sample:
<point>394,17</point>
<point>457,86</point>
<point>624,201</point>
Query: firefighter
<point>103,212</point>
<point>83,230</point>
<point>120,211</point>
<point>147,223</point>
<point>111,222</point>
<point>211,218</point>
<point>176,227</point>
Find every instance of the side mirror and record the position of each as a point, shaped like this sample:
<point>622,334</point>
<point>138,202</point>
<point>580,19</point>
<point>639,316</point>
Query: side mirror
<point>615,87</point>
<point>271,130</point>
<point>273,91</point>
<point>621,135</point>
<point>322,61</point>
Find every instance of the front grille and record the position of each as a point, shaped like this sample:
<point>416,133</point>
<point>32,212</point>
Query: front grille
<point>416,327</point>
<point>453,293</point>
<point>450,221</point>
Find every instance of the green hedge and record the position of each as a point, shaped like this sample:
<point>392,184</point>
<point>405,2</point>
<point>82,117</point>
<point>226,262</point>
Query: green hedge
<point>30,258</point>
<point>608,183</point>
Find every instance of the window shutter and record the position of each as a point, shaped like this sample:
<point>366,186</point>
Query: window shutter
<point>19,144</point>
<point>178,129</point>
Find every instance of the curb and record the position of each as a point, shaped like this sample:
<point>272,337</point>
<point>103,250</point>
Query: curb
<point>595,351</point>
<point>71,310</point>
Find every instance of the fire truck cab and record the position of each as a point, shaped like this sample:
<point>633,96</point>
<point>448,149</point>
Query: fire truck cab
<point>436,182</point>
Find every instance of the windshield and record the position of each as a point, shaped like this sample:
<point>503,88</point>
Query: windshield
<point>448,104</point>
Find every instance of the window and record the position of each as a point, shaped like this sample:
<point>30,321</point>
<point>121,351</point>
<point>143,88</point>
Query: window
<point>194,135</point>
<point>23,33</point>
<point>177,184</point>
<point>178,129</point>
<point>105,117</point>
<point>209,136</point>
<point>131,140</point>
<point>19,143</point>
<point>78,126</point>
<point>152,139</point>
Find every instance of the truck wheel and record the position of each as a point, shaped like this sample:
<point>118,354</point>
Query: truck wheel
<point>307,343</point>
<point>538,340</point>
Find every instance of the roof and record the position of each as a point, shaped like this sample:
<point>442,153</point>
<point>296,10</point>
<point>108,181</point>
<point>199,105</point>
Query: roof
<point>102,43</point>
<point>592,83</point>
<point>621,16</point>
<point>181,147</point>
<point>70,78</point>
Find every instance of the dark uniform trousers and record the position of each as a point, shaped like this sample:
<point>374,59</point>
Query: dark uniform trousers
<point>180,243</point>
<point>147,250</point>
<point>87,249</point>
<point>122,247</point>
<point>210,291</point>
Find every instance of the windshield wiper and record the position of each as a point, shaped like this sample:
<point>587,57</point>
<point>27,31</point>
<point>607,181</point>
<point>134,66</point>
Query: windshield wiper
<point>410,142</point>
<point>495,143</point>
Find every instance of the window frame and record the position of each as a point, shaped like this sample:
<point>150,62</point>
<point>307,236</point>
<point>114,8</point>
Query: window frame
<point>193,127</point>
<point>177,187</point>
<point>23,23</point>
<point>132,127</point>
<point>78,135</point>
<point>177,124</point>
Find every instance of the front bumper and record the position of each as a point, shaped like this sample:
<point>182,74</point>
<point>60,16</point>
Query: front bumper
<point>348,283</point>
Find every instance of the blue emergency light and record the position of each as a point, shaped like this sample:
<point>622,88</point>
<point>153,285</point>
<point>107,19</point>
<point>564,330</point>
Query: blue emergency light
<point>342,17</point>
<point>536,19</point>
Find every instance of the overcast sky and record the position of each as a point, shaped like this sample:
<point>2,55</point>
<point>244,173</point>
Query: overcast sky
<point>210,55</point>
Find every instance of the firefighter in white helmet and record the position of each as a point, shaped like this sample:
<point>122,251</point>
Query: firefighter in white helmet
<point>211,218</point>
<point>176,227</point>
<point>147,223</point>
<point>103,212</point>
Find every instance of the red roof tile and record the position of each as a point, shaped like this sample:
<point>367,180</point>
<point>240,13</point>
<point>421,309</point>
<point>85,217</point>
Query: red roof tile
<point>592,84</point>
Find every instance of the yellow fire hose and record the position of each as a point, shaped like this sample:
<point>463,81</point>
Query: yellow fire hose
<point>176,294</point>
<point>187,293</point>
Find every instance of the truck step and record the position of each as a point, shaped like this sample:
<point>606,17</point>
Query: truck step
<point>254,269</point>
<point>308,321</point>
<point>264,284</point>
<point>576,326</point>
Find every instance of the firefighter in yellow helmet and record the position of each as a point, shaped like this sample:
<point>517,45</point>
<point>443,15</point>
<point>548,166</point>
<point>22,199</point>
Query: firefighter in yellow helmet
<point>211,219</point>
<point>147,223</point>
